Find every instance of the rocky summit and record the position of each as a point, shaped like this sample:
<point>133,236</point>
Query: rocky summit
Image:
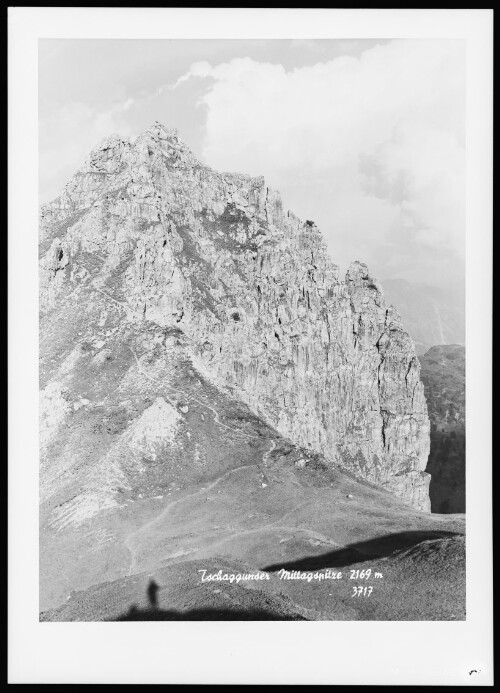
<point>210,383</point>
<point>167,241</point>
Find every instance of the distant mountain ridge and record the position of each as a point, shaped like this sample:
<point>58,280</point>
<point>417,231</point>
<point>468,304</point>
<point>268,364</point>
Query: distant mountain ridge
<point>443,375</point>
<point>431,315</point>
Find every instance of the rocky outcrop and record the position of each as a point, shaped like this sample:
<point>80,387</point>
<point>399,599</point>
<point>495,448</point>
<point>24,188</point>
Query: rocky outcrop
<point>443,375</point>
<point>267,315</point>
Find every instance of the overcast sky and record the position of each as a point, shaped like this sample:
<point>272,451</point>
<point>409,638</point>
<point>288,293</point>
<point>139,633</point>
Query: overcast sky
<point>364,137</point>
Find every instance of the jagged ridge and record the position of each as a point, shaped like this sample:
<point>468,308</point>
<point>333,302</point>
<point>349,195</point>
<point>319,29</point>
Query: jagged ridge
<point>172,242</point>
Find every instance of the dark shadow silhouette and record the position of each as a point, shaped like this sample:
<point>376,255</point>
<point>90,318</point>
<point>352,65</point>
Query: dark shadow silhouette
<point>135,614</point>
<point>153,589</point>
<point>153,613</point>
<point>378,547</point>
<point>446,465</point>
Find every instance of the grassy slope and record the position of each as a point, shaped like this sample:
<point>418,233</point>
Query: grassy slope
<point>227,493</point>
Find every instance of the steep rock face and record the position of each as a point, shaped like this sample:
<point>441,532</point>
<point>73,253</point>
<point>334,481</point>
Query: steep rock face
<point>319,357</point>
<point>443,375</point>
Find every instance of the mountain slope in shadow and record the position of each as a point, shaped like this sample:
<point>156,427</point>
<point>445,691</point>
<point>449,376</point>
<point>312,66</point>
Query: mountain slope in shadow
<point>378,547</point>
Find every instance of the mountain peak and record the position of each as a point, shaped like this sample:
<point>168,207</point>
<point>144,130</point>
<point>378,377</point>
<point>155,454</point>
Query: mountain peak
<point>200,350</point>
<point>161,131</point>
<point>254,290</point>
<point>167,142</point>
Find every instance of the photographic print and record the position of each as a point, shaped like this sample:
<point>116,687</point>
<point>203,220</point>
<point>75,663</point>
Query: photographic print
<point>252,360</point>
<point>250,365</point>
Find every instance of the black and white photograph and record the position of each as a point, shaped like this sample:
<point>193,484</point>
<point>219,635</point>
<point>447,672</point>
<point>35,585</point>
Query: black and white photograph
<point>250,348</point>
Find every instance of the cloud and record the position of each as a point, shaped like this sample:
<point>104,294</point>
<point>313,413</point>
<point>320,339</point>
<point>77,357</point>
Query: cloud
<point>199,69</point>
<point>371,147</point>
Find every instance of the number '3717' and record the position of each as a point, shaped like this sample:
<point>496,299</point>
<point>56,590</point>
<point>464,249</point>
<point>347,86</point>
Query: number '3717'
<point>360,591</point>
